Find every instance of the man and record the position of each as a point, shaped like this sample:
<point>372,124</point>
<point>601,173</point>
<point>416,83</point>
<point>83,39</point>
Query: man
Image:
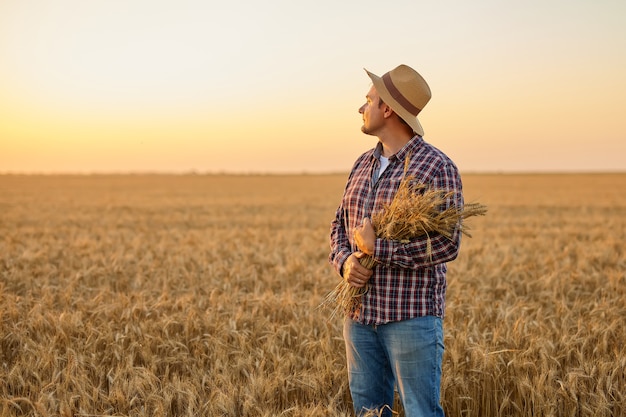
<point>395,337</point>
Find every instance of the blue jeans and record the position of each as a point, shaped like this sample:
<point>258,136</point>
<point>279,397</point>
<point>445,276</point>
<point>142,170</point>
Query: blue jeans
<point>406,354</point>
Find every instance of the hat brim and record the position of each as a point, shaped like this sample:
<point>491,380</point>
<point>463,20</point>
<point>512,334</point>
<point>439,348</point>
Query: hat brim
<point>405,115</point>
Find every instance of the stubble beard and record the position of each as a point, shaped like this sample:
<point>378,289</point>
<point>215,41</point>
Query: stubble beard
<point>366,130</point>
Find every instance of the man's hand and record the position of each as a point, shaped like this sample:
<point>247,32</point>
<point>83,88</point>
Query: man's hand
<point>365,237</point>
<point>354,273</point>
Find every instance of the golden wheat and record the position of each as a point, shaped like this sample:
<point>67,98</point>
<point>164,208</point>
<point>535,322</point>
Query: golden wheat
<point>197,295</point>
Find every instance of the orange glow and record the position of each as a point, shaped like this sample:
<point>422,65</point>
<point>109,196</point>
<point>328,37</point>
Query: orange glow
<point>87,87</point>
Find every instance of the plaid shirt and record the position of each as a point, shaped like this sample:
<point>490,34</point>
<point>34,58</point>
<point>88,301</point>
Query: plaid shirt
<point>406,283</point>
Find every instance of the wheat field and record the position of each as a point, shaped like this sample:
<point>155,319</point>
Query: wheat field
<point>198,295</point>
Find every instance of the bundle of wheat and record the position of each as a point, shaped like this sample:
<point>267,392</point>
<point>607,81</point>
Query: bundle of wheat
<point>415,211</point>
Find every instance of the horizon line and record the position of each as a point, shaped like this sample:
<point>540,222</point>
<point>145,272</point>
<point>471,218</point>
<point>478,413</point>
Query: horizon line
<point>287,173</point>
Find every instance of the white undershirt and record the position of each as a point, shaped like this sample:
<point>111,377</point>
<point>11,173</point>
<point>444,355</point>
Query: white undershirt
<point>384,163</point>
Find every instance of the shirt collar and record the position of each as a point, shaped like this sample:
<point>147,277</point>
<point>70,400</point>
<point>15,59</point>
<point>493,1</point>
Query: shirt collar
<point>408,149</point>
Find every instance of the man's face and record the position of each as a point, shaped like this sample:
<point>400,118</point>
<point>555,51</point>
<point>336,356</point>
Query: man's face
<point>372,113</point>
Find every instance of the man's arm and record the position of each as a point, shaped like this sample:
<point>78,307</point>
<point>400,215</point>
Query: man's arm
<point>339,243</point>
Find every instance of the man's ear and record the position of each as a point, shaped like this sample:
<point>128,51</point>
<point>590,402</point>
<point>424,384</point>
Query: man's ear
<point>387,112</point>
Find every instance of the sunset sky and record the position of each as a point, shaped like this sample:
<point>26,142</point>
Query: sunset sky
<point>90,86</point>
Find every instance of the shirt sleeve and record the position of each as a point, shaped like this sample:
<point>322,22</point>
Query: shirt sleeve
<point>340,248</point>
<point>420,253</point>
<point>339,244</point>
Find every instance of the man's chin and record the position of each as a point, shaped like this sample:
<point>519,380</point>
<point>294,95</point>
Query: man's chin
<point>365,130</point>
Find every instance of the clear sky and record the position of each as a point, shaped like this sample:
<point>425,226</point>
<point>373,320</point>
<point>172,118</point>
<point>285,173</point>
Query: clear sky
<point>274,86</point>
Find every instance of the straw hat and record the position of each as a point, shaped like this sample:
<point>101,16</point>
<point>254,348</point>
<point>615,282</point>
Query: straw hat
<point>405,91</point>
